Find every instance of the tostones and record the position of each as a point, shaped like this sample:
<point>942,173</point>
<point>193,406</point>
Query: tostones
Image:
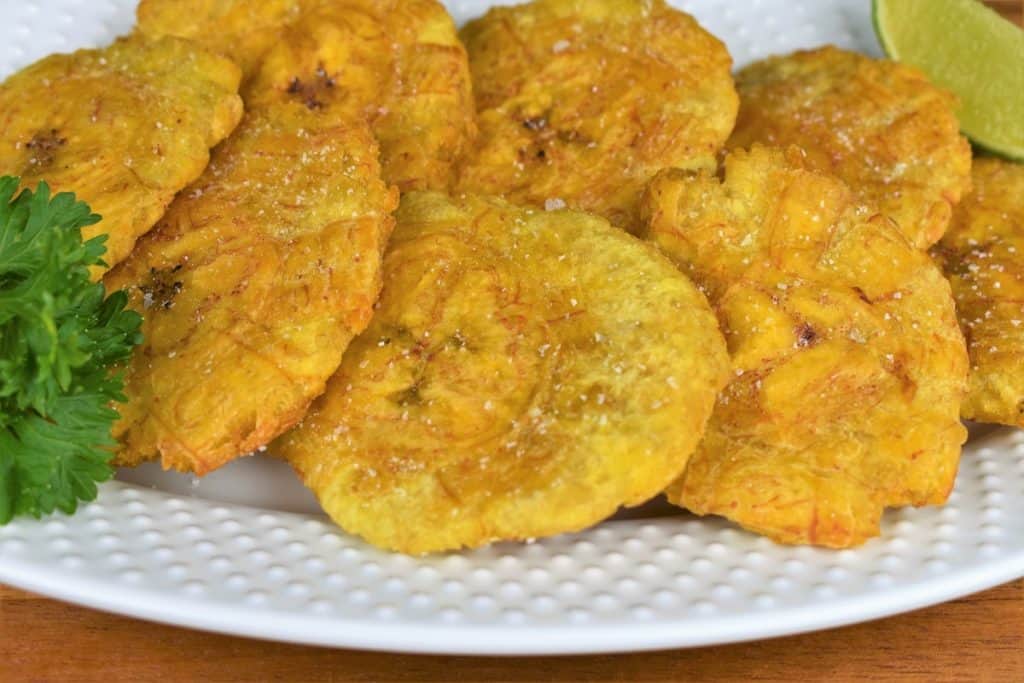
<point>582,102</point>
<point>253,284</point>
<point>848,363</point>
<point>242,30</point>
<point>879,126</point>
<point>400,60</point>
<point>983,256</point>
<point>125,128</point>
<point>525,374</point>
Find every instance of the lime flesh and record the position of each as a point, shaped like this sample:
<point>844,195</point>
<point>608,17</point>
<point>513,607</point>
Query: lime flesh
<point>969,49</point>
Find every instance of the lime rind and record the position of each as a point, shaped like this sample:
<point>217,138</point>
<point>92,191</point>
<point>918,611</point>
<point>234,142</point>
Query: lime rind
<point>969,49</point>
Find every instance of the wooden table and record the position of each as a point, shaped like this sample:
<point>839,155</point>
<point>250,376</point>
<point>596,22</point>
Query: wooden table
<point>1011,9</point>
<point>980,638</point>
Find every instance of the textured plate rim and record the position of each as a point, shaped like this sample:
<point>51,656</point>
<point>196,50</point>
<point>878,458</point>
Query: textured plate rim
<point>470,639</point>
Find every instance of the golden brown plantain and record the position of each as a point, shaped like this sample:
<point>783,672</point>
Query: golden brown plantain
<point>848,363</point>
<point>581,102</point>
<point>879,126</point>
<point>243,30</point>
<point>525,374</point>
<point>125,128</point>
<point>254,283</point>
<point>400,59</point>
<point>983,257</point>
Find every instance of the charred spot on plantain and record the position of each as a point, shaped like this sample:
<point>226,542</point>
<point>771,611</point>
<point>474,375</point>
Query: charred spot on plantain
<point>545,134</point>
<point>324,77</point>
<point>806,336</point>
<point>305,93</point>
<point>161,288</point>
<point>44,146</point>
<point>398,334</point>
<point>536,123</point>
<point>309,92</point>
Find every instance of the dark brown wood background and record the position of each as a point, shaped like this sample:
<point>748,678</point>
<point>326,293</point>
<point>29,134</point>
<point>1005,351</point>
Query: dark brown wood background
<point>1011,9</point>
<point>980,638</point>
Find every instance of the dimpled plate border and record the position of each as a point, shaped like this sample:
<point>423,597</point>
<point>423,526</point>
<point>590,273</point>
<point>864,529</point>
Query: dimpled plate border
<point>623,586</point>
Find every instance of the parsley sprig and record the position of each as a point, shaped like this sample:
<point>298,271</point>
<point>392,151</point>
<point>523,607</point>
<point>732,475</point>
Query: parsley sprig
<point>60,337</point>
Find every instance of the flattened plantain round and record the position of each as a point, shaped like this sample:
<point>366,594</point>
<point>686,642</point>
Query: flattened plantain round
<point>584,101</point>
<point>526,373</point>
<point>848,364</point>
<point>983,257</point>
<point>880,127</point>
<point>125,128</point>
<point>399,61</point>
<point>253,284</point>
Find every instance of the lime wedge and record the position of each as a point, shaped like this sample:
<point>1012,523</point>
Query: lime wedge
<point>969,49</point>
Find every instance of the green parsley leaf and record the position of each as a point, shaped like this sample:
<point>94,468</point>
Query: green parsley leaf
<point>61,337</point>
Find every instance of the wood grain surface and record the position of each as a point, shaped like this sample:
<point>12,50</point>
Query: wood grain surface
<point>976,639</point>
<point>1011,9</point>
<point>979,638</point>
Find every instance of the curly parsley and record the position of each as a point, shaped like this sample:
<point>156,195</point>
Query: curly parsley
<point>60,336</point>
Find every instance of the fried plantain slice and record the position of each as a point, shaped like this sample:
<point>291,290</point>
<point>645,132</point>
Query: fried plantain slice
<point>582,102</point>
<point>242,30</point>
<point>983,257</point>
<point>881,127</point>
<point>253,284</point>
<point>848,363</point>
<point>400,60</point>
<point>125,128</point>
<point>525,374</point>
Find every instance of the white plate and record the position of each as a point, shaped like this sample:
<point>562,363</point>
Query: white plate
<point>246,552</point>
